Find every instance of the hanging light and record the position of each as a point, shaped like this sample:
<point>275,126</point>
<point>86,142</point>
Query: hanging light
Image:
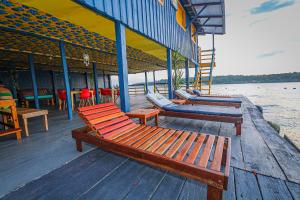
<point>86,59</point>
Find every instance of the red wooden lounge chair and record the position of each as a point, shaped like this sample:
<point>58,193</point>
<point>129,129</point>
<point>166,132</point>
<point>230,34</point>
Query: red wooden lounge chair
<point>182,152</point>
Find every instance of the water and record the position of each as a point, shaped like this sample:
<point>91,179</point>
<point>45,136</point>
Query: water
<point>280,102</point>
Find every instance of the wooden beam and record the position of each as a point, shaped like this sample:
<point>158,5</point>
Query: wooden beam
<point>169,66</point>
<point>33,79</point>
<point>96,83</point>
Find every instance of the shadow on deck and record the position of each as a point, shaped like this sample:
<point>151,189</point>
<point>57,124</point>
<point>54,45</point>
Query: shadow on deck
<point>46,164</point>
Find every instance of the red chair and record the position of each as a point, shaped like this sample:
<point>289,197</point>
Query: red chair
<point>85,98</point>
<point>62,97</point>
<point>105,94</point>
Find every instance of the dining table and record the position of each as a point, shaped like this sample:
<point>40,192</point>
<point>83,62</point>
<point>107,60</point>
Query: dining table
<point>75,92</point>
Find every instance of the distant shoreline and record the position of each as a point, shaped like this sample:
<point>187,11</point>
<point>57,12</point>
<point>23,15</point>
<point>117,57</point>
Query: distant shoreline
<point>247,79</point>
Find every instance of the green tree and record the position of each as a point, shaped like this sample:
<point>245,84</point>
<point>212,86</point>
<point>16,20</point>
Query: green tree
<point>177,64</point>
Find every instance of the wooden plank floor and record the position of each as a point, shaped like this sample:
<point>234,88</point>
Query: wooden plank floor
<point>47,166</point>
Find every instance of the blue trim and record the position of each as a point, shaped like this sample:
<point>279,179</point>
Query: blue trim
<point>66,78</point>
<point>146,82</point>
<point>169,66</point>
<point>34,83</point>
<point>96,83</point>
<point>122,66</point>
<point>187,82</point>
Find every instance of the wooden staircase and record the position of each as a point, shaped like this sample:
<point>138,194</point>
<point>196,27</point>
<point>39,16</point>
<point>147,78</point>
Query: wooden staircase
<point>204,76</point>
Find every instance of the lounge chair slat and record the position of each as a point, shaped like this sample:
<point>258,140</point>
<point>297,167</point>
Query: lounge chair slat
<point>138,136</point>
<point>180,156</point>
<point>114,127</point>
<point>146,138</point>
<point>168,143</point>
<point>147,144</point>
<point>120,130</point>
<point>111,122</point>
<point>171,152</point>
<point>95,111</point>
<point>206,151</point>
<point>216,163</point>
<point>106,118</point>
<point>115,137</point>
<point>95,106</point>
<point>161,140</point>
<point>122,137</point>
<point>193,155</point>
<point>102,114</point>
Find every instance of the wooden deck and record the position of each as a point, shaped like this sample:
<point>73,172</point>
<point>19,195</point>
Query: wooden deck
<point>47,166</point>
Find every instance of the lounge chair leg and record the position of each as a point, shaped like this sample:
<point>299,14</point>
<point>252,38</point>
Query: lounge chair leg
<point>214,193</point>
<point>238,127</point>
<point>78,145</point>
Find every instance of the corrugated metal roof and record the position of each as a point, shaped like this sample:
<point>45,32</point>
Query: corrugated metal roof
<point>207,15</point>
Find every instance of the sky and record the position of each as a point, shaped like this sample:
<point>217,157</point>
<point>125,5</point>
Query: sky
<point>262,37</point>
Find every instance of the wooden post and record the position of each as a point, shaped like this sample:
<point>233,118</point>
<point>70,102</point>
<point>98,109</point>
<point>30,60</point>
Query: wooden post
<point>66,78</point>
<point>169,66</point>
<point>196,71</point>
<point>122,66</point>
<point>34,83</point>
<point>214,193</point>
<point>96,83</point>
<point>146,83</point>
<point>187,83</point>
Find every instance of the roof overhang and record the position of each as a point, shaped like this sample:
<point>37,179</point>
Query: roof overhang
<point>207,15</point>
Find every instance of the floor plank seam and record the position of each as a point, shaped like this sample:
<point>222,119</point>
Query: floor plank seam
<point>294,198</point>
<point>259,186</point>
<point>181,188</point>
<point>159,183</point>
<point>103,178</point>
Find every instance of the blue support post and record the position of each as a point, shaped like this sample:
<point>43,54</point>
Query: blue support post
<point>96,83</point>
<point>187,82</point>
<point>104,81</point>
<point>66,78</point>
<point>146,83</point>
<point>54,86</point>
<point>169,66</point>
<point>154,82</point>
<point>109,81</point>
<point>122,66</point>
<point>87,80</point>
<point>196,70</point>
<point>34,83</point>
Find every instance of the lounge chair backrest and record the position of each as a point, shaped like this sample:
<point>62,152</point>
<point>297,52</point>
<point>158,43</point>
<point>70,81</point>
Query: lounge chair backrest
<point>151,89</point>
<point>107,119</point>
<point>158,99</point>
<point>183,94</point>
<point>197,92</point>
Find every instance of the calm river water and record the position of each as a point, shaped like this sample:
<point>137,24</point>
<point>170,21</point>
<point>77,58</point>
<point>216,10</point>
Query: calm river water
<point>280,102</point>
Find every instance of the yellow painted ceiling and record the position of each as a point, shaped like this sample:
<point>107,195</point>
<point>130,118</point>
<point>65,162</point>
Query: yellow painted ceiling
<point>73,12</point>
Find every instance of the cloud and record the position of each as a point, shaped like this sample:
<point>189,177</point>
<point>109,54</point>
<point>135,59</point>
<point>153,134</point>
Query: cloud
<point>271,5</point>
<point>257,21</point>
<point>270,54</point>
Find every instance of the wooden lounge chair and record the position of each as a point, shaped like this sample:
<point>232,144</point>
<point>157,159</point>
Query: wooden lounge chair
<point>184,153</point>
<point>199,94</point>
<point>207,100</point>
<point>201,112</point>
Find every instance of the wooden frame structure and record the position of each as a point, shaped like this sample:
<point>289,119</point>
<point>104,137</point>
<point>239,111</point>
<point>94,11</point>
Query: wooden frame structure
<point>13,128</point>
<point>112,130</point>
